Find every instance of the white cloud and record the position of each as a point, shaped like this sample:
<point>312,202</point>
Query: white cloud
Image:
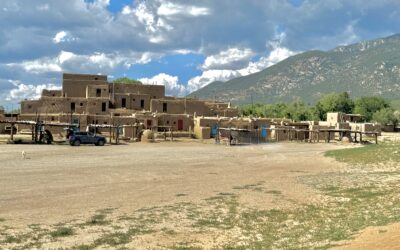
<point>228,59</point>
<point>171,83</point>
<point>276,55</point>
<point>63,36</point>
<point>68,61</point>
<point>59,37</point>
<point>32,37</point>
<point>171,9</point>
<point>210,76</point>
<point>37,66</point>
<point>28,91</point>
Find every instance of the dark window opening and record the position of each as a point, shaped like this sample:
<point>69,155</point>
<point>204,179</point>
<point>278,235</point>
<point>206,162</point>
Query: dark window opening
<point>52,118</point>
<point>81,104</point>
<point>154,97</point>
<point>29,106</point>
<point>97,121</point>
<point>96,78</point>
<point>105,122</point>
<point>164,107</point>
<point>53,104</point>
<point>72,107</point>
<point>142,104</point>
<point>167,122</point>
<point>54,94</point>
<point>103,106</point>
<point>98,92</point>
<point>123,102</point>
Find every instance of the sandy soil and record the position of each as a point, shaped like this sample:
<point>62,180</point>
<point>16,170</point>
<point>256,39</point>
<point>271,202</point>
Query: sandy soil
<point>384,238</point>
<point>60,183</point>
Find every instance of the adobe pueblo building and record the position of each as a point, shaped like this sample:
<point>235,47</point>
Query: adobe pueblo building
<point>92,100</point>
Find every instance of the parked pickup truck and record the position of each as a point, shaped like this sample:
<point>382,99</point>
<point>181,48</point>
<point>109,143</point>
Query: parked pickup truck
<point>78,138</point>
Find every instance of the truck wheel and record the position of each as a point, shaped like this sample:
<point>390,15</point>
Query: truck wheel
<point>100,143</point>
<point>77,143</point>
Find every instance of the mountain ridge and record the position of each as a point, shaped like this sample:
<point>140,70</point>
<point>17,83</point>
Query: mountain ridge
<point>367,68</point>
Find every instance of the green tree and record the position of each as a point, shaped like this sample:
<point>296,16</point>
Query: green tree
<point>126,80</point>
<point>334,102</point>
<point>297,111</point>
<point>386,116</point>
<point>368,105</point>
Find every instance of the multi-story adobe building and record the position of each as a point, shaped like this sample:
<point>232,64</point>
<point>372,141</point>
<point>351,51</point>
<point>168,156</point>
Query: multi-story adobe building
<point>91,99</point>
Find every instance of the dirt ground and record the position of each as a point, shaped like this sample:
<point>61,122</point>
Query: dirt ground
<point>383,238</point>
<point>60,184</point>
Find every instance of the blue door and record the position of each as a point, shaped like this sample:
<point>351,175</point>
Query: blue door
<point>214,130</point>
<point>264,132</point>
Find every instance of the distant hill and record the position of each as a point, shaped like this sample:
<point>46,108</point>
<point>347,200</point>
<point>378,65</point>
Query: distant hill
<point>370,68</point>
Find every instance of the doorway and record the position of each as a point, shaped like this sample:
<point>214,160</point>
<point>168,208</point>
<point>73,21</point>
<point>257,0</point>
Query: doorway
<point>180,125</point>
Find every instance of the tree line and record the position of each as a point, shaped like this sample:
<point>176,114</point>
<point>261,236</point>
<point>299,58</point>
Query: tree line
<point>372,108</point>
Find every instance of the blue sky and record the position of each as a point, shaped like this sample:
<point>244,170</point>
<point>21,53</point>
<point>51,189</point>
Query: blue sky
<point>183,44</point>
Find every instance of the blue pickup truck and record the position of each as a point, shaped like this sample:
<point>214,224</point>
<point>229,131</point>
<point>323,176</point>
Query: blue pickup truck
<point>78,138</point>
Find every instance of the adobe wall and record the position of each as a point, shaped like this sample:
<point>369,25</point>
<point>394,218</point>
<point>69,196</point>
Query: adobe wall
<point>133,101</point>
<point>86,77</point>
<point>333,118</point>
<point>180,106</point>
<point>95,106</point>
<point>154,91</point>
<point>366,127</point>
<point>96,91</point>
<point>206,121</point>
<point>174,120</point>
<point>51,93</point>
<point>74,85</point>
<point>149,120</point>
<point>2,125</point>
<point>30,106</point>
<point>57,105</point>
<point>229,112</point>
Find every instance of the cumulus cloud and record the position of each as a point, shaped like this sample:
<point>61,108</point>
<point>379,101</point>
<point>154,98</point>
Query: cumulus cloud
<point>210,76</point>
<point>171,83</point>
<point>28,91</point>
<point>171,9</point>
<point>231,58</point>
<point>63,36</point>
<point>68,61</point>
<point>221,67</point>
<point>40,38</point>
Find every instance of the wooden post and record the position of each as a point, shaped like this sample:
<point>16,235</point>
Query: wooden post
<point>229,139</point>
<point>329,136</point>
<point>110,135</point>
<point>360,137</point>
<point>117,135</point>
<point>12,132</point>
<point>33,133</point>
<point>376,138</point>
